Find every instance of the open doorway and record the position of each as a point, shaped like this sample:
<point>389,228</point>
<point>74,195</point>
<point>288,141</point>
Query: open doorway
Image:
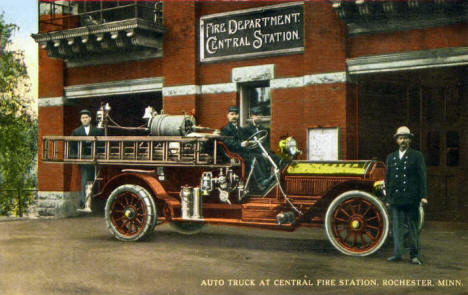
<point>433,103</point>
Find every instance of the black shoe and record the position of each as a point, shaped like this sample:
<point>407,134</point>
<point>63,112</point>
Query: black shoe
<point>416,260</point>
<point>394,259</point>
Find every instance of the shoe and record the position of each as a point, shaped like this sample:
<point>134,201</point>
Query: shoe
<point>415,260</point>
<point>394,259</point>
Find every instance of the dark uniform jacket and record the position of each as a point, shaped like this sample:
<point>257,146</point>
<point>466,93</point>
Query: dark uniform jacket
<point>86,145</point>
<point>406,181</point>
<point>238,135</point>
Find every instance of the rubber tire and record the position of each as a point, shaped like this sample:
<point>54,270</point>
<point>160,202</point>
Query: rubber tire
<point>344,197</point>
<point>149,206</point>
<point>187,227</point>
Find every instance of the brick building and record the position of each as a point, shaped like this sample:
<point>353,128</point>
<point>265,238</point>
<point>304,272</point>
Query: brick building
<point>339,76</point>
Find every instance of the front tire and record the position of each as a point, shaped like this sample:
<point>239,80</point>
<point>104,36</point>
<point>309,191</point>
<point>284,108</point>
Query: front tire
<point>130,213</point>
<point>357,223</point>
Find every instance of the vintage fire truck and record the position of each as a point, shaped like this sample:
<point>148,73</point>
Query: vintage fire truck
<point>184,175</point>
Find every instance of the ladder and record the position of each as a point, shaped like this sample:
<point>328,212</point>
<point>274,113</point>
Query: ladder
<point>135,150</point>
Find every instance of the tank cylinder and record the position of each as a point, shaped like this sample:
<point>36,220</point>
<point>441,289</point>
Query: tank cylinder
<point>197,204</point>
<point>171,125</point>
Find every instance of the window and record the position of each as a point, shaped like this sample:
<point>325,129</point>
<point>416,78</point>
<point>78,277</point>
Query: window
<point>453,148</point>
<point>257,97</point>
<point>433,148</point>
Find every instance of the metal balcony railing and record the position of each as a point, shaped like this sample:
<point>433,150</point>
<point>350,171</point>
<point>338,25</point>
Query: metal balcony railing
<point>62,14</point>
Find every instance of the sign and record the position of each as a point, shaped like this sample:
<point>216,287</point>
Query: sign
<point>323,144</point>
<point>258,32</point>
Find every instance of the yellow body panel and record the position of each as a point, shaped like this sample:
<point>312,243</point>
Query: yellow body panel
<point>330,168</point>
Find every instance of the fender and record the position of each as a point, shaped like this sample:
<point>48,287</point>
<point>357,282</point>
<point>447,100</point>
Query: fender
<point>322,204</point>
<point>149,180</point>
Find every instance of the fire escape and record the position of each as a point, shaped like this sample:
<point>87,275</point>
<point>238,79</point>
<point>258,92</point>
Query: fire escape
<point>79,31</point>
<point>373,16</point>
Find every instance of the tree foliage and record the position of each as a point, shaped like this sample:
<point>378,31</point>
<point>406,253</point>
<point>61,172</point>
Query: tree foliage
<point>18,126</point>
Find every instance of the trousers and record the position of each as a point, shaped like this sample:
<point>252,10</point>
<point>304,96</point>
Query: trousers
<point>405,226</point>
<point>87,175</point>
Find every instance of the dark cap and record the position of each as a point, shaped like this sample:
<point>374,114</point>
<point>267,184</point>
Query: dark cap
<point>256,110</point>
<point>85,112</point>
<point>234,109</point>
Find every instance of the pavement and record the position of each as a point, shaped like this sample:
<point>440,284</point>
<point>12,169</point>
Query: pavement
<point>79,256</point>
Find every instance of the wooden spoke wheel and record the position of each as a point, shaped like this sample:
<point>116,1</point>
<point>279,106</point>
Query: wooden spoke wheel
<point>187,227</point>
<point>357,223</point>
<point>130,213</point>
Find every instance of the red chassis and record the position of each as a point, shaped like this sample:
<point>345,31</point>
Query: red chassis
<point>192,181</point>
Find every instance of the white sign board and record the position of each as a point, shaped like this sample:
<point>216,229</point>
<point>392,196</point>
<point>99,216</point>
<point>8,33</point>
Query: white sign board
<point>323,144</point>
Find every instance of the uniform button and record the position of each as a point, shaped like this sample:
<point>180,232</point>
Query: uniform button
<point>404,190</point>
<point>396,176</point>
<point>397,168</point>
<point>404,182</point>
<point>404,175</point>
<point>396,190</point>
<point>404,167</point>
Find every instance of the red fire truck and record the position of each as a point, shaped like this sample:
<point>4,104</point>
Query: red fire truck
<point>189,178</point>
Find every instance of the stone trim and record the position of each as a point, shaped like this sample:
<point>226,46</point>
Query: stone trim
<point>253,73</point>
<point>57,204</point>
<point>115,87</point>
<point>181,90</point>
<point>293,82</point>
<point>51,101</point>
<point>434,58</point>
<point>307,80</point>
<point>219,88</point>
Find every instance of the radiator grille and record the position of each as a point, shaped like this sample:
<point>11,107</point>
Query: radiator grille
<point>296,185</point>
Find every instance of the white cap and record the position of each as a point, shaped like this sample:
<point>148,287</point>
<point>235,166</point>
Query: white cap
<point>403,130</point>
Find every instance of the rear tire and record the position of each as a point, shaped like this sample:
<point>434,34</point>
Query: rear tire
<point>130,213</point>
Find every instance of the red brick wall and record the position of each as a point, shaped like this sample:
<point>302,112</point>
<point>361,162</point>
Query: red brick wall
<point>50,76</point>
<point>431,38</point>
<point>212,109</point>
<point>57,177</point>
<point>180,43</point>
<point>114,72</point>
<point>179,105</point>
<point>298,109</point>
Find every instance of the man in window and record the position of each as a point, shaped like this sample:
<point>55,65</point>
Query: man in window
<point>406,187</point>
<point>239,144</point>
<point>87,171</point>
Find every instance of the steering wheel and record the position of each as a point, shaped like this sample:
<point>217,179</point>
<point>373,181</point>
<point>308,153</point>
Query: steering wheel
<point>261,135</point>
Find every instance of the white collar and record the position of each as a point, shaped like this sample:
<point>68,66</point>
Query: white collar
<point>402,153</point>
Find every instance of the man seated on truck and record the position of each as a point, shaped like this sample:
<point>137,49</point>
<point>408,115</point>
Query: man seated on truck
<point>238,144</point>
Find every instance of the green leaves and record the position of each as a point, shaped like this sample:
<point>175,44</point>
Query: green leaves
<point>18,128</point>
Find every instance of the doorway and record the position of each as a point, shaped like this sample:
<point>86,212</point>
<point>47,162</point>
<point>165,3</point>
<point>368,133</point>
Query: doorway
<point>434,105</point>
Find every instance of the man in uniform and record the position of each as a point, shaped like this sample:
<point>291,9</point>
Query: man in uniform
<point>237,143</point>
<point>406,187</point>
<point>87,171</point>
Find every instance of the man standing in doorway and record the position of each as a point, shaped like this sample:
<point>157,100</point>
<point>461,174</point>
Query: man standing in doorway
<point>406,186</point>
<point>87,171</point>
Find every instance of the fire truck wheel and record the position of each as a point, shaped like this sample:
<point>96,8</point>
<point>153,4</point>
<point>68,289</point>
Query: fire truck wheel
<point>187,228</point>
<point>357,223</point>
<point>130,213</point>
